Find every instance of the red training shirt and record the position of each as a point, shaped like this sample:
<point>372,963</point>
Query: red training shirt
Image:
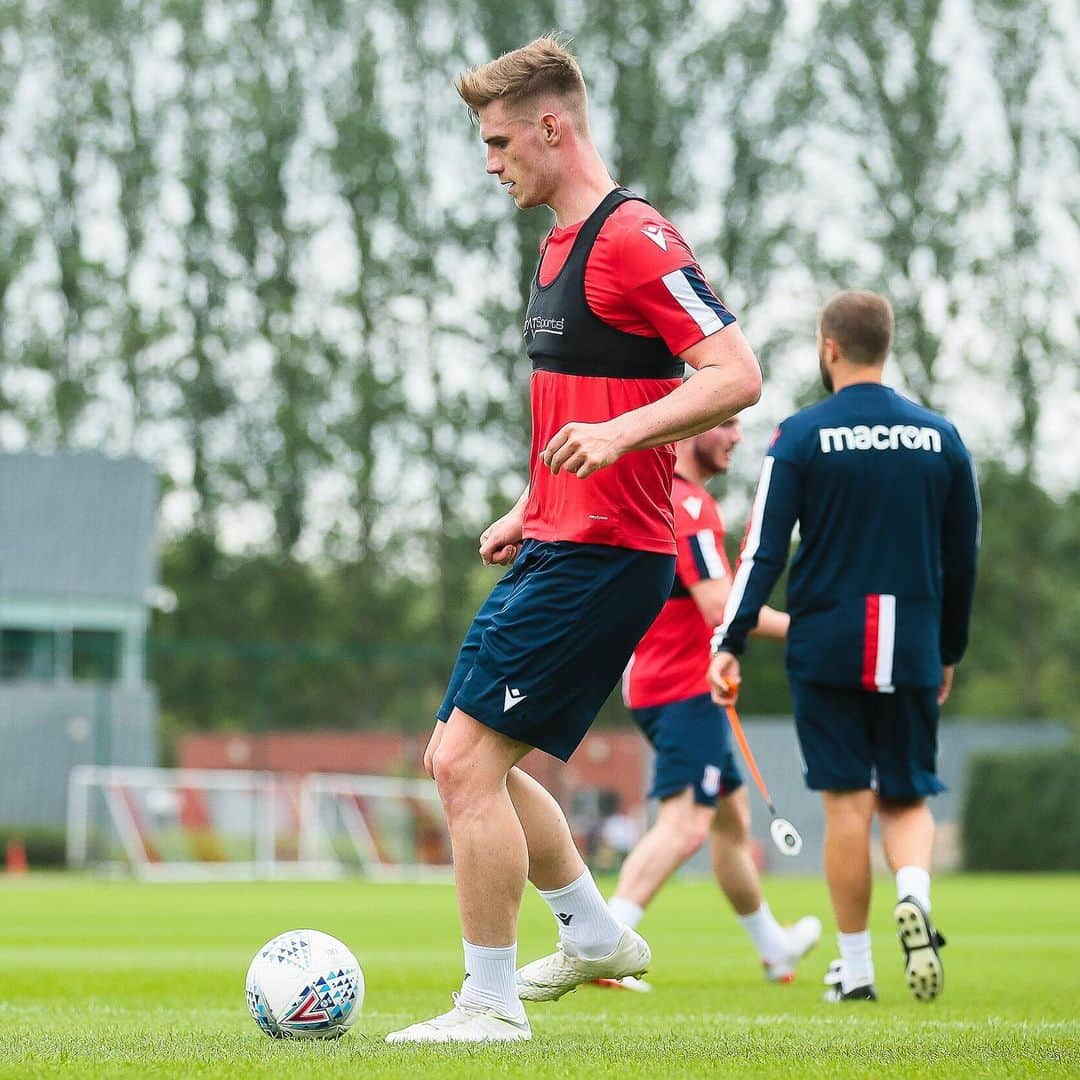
<point>641,278</point>
<point>671,661</point>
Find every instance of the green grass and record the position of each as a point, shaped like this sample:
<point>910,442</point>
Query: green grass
<point>109,979</point>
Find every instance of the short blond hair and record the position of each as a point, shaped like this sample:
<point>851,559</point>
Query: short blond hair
<point>861,323</point>
<point>544,66</point>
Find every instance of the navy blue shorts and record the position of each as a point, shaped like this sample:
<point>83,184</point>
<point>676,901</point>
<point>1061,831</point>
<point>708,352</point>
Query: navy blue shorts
<point>693,749</point>
<point>551,641</point>
<point>853,739</point>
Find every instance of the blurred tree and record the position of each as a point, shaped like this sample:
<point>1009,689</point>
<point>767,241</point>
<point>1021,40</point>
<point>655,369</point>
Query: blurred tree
<point>202,394</point>
<point>452,409</point>
<point>266,105</point>
<point>883,83</point>
<point>1031,281</point>
<point>1024,593</point>
<point>1029,292</point>
<point>67,48</point>
<point>366,425</point>
<point>260,237</point>
<point>757,109</point>
<point>131,115</point>
<point>16,235</point>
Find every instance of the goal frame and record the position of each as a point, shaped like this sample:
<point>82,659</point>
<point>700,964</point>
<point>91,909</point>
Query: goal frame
<point>315,856</point>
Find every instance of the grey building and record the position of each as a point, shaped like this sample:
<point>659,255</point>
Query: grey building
<point>78,570</point>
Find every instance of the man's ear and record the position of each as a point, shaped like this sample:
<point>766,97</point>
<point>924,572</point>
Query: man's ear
<point>551,128</point>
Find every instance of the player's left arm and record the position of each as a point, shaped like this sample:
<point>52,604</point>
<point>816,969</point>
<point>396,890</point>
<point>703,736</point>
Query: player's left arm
<point>727,380</point>
<point>960,534</point>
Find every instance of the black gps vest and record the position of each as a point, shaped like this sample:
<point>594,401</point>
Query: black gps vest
<point>563,335</point>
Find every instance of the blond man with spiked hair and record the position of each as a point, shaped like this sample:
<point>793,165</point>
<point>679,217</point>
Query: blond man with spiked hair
<point>618,305</point>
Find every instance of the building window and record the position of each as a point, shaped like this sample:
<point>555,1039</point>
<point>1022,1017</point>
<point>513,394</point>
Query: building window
<point>27,654</point>
<point>95,655</point>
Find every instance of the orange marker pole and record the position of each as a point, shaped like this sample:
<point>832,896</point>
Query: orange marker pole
<point>748,756</point>
<point>784,835</point>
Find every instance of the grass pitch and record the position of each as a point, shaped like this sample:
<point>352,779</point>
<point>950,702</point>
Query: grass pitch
<point>116,979</point>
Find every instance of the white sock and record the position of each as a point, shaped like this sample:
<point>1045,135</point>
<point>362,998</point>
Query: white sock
<point>766,933</point>
<point>489,978</point>
<point>914,881</point>
<point>586,926</point>
<point>625,911</point>
<point>858,969</point>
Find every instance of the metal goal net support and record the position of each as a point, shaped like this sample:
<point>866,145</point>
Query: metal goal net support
<point>222,824</point>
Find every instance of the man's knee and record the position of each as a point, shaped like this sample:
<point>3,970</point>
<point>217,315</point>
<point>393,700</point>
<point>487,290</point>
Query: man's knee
<point>451,773</point>
<point>731,822</point>
<point>469,765</point>
<point>849,809</point>
<point>689,825</point>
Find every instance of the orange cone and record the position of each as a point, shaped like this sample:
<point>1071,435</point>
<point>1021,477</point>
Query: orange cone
<point>16,857</point>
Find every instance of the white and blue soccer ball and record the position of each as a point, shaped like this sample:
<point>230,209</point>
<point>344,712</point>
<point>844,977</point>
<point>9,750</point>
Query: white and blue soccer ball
<point>305,984</point>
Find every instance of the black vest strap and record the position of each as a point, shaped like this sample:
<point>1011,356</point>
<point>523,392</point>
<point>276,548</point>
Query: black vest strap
<point>564,336</point>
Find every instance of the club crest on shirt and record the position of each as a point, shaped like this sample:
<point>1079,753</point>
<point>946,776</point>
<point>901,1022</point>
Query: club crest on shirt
<point>656,234</point>
<point>692,505</point>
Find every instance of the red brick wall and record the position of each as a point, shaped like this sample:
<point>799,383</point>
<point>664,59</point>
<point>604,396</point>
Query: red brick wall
<point>614,761</point>
<point>303,752</point>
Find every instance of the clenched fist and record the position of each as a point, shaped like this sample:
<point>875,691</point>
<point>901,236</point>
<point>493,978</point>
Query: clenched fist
<point>582,449</point>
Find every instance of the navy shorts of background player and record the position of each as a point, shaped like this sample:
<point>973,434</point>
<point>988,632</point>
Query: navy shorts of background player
<point>693,749</point>
<point>552,639</point>
<point>665,685</point>
<point>880,589</point>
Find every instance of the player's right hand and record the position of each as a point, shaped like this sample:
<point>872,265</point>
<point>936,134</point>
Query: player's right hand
<point>724,678</point>
<point>500,542</point>
<point>946,683</point>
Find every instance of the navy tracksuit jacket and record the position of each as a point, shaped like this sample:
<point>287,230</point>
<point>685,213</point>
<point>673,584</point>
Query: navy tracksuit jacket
<point>885,497</point>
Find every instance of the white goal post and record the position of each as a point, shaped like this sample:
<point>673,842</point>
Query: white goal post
<point>390,828</point>
<point>232,824</point>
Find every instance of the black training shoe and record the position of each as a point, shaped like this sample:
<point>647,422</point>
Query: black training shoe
<point>920,942</point>
<point>835,986</point>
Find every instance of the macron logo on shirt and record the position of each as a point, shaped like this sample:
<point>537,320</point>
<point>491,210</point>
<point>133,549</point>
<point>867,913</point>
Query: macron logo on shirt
<point>880,437</point>
<point>512,697</point>
<point>656,234</point>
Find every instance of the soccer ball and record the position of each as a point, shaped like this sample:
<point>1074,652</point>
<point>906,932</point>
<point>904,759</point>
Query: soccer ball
<point>304,984</point>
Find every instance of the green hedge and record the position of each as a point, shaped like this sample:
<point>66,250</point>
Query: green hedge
<point>44,844</point>
<point>1022,811</point>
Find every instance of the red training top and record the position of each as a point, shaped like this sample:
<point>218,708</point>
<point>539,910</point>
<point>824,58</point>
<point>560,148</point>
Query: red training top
<point>671,661</point>
<point>641,278</point>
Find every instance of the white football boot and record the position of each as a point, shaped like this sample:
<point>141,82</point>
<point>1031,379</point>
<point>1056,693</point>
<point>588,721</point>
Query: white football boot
<point>465,1024</point>
<point>802,937</point>
<point>548,978</point>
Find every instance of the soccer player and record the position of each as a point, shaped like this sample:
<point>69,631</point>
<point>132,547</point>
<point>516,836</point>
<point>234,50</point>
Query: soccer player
<point>618,302</point>
<point>880,594</point>
<point>667,690</point>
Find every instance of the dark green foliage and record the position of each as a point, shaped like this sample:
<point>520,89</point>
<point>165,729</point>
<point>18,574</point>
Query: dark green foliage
<point>1022,811</point>
<point>256,243</point>
<point>1022,657</point>
<point>44,844</point>
<point>883,81</point>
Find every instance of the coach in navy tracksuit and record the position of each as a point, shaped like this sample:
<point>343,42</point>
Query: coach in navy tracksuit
<point>880,590</point>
